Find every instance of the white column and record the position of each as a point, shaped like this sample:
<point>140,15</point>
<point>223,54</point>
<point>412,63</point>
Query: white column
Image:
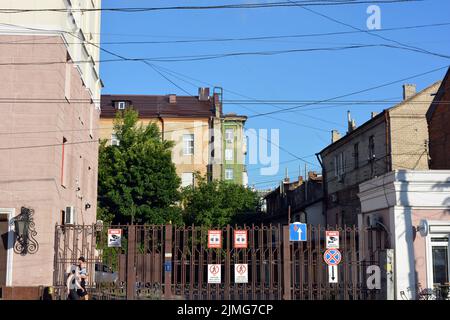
<point>405,273</point>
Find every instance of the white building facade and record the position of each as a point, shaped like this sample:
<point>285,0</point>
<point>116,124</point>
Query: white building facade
<point>413,207</point>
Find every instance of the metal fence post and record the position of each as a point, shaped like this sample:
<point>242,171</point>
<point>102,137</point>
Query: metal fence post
<point>131,272</point>
<point>168,262</point>
<point>286,264</point>
<point>227,264</point>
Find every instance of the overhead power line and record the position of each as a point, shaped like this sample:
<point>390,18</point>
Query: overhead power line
<point>210,7</point>
<point>414,48</point>
<point>238,39</point>
<point>352,93</point>
<point>213,56</point>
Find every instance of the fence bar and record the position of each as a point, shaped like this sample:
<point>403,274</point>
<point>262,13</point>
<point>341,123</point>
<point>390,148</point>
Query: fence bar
<point>131,266</point>
<point>168,260</point>
<point>286,264</point>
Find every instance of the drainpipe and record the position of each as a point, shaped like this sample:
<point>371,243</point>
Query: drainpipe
<point>324,188</point>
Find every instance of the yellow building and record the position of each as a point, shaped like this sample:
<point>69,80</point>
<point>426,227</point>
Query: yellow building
<point>194,123</point>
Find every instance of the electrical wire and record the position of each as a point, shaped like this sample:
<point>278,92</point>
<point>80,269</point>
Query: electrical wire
<point>210,7</point>
<point>231,39</point>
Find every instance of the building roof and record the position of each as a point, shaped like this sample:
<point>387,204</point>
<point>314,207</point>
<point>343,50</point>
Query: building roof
<point>153,106</point>
<point>373,120</point>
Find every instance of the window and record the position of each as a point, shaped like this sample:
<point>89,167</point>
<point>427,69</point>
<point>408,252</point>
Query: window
<point>372,155</point>
<point>371,148</point>
<point>67,83</point>
<point>114,140</point>
<point>228,174</point>
<point>188,144</point>
<point>339,164</point>
<point>187,179</point>
<point>229,154</point>
<point>229,135</point>
<point>121,105</point>
<point>336,171</point>
<point>439,260</point>
<point>356,155</point>
<point>91,121</point>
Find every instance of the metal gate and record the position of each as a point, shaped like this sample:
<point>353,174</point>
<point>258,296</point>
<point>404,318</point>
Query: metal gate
<point>168,262</point>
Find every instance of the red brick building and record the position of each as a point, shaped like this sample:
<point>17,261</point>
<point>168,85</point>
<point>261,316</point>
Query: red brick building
<point>438,118</point>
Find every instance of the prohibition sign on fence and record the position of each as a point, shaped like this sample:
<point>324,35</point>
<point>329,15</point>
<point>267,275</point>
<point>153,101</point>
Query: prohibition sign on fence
<point>214,274</point>
<point>332,257</point>
<point>241,269</point>
<point>214,269</point>
<point>241,273</point>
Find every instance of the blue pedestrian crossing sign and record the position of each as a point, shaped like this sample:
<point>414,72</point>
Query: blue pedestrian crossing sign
<point>297,231</point>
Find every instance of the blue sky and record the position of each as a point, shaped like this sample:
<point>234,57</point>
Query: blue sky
<point>316,75</point>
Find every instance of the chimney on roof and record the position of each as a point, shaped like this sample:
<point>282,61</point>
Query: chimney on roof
<point>300,180</point>
<point>373,114</point>
<point>172,98</point>
<point>286,175</point>
<point>335,136</point>
<point>350,122</point>
<point>217,101</point>
<point>312,175</point>
<point>203,94</point>
<point>408,90</point>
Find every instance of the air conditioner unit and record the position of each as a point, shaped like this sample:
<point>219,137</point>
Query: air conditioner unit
<point>69,215</point>
<point>373,221</point>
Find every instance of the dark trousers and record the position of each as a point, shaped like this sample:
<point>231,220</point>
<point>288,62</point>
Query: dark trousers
<point>73,295</point>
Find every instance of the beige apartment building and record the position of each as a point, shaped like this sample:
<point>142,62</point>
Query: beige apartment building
<point>48,143</point>
<point>205,140</point>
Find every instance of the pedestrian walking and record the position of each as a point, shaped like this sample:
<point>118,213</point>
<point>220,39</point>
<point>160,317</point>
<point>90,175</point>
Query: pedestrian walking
<point>73,283</point>
<point>82,270</point>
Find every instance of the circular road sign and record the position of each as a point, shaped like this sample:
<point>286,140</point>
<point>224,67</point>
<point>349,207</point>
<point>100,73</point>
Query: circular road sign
<point>332,257</point>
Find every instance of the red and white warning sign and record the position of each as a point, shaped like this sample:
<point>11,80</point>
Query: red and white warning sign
<point>114,238</point>
<point>214,273</point>
<point>241,273</point>
<point>240,239</point>
<point>214,239</point>
<point>332,238</point>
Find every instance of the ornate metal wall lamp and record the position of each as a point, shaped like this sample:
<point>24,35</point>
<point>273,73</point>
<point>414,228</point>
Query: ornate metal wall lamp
<point>25,233</point>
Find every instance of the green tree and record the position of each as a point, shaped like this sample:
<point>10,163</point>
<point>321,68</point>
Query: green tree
<point>217,203</point>
<point>137,181</point>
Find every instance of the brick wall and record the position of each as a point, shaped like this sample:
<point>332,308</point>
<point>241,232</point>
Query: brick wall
<point>409,131</point>
<point>439,128</point>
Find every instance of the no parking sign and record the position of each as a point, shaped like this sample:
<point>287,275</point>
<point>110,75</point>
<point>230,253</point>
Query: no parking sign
<point>332,257</point>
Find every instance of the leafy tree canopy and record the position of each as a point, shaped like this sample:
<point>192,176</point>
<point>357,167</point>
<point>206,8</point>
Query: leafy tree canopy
<point>217,203</point>
<point>137,180</point>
